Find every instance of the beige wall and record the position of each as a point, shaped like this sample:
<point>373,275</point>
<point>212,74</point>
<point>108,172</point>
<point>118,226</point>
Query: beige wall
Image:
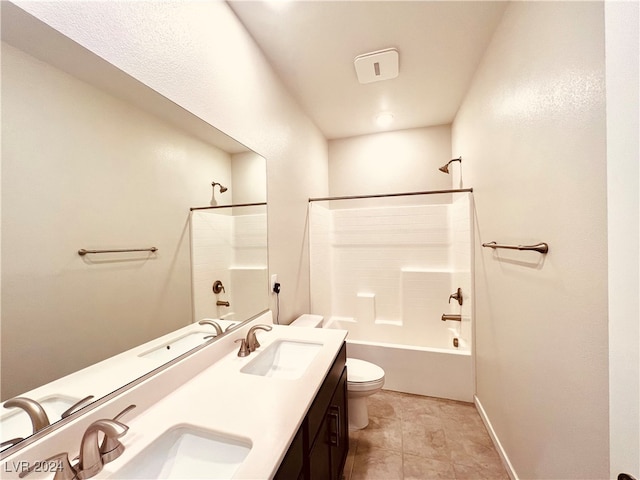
<point>82,169</point>
<point>390,162</point>
<point>532,129</point>
<point>205,61</point>
<point>622,24</point>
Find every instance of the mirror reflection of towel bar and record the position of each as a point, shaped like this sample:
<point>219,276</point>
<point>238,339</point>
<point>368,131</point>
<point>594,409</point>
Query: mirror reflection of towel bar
<point>82,251</point>
<point>539,247</point>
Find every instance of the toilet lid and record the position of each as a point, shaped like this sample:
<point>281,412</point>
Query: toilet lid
<point>359,371</point>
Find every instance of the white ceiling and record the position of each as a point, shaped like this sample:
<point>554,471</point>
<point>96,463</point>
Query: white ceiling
<point>312,45</point>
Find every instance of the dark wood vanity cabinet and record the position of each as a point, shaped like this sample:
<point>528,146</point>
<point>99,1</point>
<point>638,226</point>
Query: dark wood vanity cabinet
<point>319,449</point>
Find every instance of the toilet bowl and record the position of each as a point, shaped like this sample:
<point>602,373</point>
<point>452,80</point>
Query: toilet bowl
<point>363,379</point>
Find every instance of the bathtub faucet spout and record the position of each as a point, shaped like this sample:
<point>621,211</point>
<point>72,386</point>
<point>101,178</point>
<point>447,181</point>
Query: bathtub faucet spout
<point>451,316</point>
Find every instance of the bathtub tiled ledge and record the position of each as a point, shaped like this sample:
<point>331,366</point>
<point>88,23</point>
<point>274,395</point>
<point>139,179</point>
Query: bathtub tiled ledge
<point>207,390</point>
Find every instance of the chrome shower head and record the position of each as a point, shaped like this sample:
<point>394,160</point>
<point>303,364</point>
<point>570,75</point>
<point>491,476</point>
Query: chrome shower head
<point>222,189</point>
<point>445,168</point>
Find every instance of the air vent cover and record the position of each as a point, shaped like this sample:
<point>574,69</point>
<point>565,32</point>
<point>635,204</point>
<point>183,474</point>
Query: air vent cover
<point>377,66</point>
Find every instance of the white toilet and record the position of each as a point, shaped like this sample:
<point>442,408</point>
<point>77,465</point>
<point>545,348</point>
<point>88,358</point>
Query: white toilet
<point>363,379</point>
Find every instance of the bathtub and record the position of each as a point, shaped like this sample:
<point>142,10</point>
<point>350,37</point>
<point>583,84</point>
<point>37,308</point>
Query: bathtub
<point>436,371</point>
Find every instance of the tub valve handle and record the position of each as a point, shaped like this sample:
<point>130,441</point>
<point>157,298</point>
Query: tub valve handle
<point>456,296</point>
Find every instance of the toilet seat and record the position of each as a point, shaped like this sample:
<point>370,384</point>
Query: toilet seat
<point>363,376</point>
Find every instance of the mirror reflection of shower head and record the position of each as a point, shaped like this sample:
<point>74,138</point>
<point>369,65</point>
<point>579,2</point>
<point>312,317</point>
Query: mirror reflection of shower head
<point>445,168</point>
<point>222,189</point>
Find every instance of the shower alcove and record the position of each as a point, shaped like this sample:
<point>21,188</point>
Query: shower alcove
<point>384,268</point>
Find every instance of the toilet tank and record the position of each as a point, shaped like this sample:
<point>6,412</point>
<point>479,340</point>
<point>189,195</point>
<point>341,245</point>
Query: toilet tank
<point>308,320</point>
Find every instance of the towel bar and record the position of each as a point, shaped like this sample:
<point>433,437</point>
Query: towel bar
<point>82,251</point>
<point>539,247</point>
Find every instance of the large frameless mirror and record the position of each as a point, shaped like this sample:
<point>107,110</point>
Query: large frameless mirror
<point>113,219</point>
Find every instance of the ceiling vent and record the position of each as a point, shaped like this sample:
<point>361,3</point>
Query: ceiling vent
<point>377,66</point>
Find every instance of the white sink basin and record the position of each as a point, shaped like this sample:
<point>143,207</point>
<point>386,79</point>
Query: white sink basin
<point>187,452</point>
<point>177,346</point>
<point>287,359</point>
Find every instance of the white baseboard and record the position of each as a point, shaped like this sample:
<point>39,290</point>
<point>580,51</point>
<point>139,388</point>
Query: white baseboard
<point>496,441</point>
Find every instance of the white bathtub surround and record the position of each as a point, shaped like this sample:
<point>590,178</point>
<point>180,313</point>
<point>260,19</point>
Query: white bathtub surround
<point>385,273</point>
<point>207,390</point>
<point>425,296</point>
<point>398,264</point>
<point>229,245</point>
<point>366,308</point>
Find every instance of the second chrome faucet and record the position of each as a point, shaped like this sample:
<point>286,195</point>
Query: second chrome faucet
<point>250,344</point>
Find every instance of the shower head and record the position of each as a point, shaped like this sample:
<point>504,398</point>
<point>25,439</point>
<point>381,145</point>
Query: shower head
<point>445,168</point>
<point>222,189</point>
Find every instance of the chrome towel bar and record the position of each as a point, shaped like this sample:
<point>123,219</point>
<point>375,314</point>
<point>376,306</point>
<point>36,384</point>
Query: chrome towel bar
<point>539,247</point>
<point>82,251</point>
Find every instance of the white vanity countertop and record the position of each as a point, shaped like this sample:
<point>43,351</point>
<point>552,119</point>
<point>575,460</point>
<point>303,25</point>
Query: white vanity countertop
<point>266,411</point>
<point>112,372</point>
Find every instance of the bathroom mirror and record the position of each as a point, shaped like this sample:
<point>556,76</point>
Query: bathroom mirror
<point>94,160</point>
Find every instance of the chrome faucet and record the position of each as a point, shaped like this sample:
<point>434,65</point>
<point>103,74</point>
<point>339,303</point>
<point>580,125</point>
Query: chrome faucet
<point>213,324</point>
<point>38,416</point>
<point>91,461</point>
<point>221,303</point>
<point>252,340</point>
<point>451,316</point>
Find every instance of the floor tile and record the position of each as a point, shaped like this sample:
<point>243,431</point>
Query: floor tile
<point>419,468</point>
<point>377,464</point>
<point>412,437</point>
<point>381,433</point>
<point>425,441</point>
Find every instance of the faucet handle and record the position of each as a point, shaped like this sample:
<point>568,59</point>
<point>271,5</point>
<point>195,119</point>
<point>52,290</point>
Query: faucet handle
<point>111,447</point>
<point>75,406</point>
<point>244,350</point>
<point>64,470</point>
<point>10,443</point>
<point>457,296</point>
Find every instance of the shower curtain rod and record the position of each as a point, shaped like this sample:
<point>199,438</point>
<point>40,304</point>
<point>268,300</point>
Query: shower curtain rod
<point>381,195</point>
<point>259,204</point>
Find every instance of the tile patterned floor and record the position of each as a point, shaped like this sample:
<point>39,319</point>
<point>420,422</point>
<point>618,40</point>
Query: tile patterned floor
<point>422,438</point>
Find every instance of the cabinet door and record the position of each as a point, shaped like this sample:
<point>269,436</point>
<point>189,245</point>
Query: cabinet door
<point>320,455</point>
<point>338,426</point>
<point>292,466</point>
<point>329,453</point>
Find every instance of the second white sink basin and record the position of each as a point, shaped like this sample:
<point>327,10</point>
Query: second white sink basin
<point>177,346</point>
<point>187,452</point>
<point>283,359</point>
